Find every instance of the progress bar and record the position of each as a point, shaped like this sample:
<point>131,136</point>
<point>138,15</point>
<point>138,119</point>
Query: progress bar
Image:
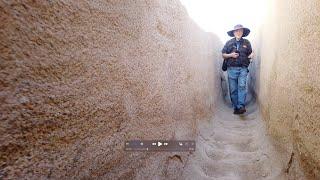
<point>160,145</point>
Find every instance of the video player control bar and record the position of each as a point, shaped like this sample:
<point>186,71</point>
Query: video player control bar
<point>152,145</point>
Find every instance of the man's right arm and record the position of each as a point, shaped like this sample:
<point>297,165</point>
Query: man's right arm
<point>231,55</point>
<point>226,55</point>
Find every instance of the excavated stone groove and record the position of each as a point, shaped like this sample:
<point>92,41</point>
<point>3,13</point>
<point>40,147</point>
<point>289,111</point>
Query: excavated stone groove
<point>79,78</point>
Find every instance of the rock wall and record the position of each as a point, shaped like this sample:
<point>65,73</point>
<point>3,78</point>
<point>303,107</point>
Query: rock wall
<point>78,78</point>
<point>289,83</point>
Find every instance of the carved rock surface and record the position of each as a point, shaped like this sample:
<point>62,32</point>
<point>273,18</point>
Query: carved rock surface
<point>289,83</point>
<point>78,78</point>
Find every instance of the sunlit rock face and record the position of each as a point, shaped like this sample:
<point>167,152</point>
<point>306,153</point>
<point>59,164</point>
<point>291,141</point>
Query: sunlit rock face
<point>78,78</point>
<point>289,83</point>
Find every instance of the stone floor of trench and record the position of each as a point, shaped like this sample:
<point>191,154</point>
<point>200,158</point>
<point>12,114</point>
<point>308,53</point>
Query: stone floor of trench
<point>234,147</point>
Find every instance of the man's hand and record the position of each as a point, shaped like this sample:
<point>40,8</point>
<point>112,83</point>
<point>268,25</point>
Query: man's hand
<point>231,55</point>
<point>234,55</point>
<point>251,56</point>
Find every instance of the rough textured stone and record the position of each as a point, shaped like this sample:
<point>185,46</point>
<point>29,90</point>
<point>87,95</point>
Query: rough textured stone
<point>289,83</point>
<point>78,78</point>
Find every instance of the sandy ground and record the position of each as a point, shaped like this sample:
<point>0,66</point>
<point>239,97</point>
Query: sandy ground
<point>234,147</point>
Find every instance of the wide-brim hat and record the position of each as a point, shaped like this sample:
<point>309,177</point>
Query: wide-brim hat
<point>246,31</point>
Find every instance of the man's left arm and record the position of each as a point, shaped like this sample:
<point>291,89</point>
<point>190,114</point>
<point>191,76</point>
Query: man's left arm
<point>250,52</point>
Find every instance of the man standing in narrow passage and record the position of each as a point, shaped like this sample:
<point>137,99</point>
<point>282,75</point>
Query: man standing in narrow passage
<point>238,52</point>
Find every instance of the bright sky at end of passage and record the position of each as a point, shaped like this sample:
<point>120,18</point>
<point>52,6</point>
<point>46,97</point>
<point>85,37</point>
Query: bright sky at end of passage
<point>220,16</point>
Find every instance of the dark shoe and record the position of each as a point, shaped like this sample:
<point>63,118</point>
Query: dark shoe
<point>236,111</point>
<point>242,110</point>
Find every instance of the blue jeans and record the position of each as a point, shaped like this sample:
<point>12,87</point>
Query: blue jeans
<point>237,78</point>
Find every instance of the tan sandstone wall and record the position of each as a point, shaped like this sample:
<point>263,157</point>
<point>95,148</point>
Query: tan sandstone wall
<point>78,78</point>
<point>289,83</point>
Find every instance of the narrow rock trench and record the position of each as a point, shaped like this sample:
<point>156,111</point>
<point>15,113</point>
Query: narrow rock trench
<point>80,78</point>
